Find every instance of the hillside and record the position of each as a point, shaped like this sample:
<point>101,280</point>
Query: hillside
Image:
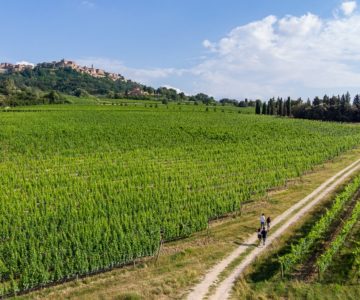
<point>49,83</point>
<point>30,85</point>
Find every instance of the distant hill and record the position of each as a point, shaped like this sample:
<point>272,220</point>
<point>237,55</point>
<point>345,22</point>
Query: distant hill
<point>48,82</point>
<point>63,77</point>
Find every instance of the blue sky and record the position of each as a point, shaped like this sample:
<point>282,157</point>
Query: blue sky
<point>229,48</point>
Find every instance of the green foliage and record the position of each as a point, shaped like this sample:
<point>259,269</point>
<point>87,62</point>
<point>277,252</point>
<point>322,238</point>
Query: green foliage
<point>356,254</point>
<point>336,108</point>
<point>201,97</point>
<point>326,258</point>
<point>68,81</point>
<point>81,93</point>
<point>258,107</point>
<point>89,188</point>
<point>301,250</point>
<point>63,80</point>
<point>4,271</point>
<point>264,109</point>
<point>55,98</point>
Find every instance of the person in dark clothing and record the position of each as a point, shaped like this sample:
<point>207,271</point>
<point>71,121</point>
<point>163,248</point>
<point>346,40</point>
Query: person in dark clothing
<point>268,222</point>
<point>263,235</point>
<point>259,236</point>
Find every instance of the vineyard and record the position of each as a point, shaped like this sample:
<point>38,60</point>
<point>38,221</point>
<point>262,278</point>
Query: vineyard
<point>326,258</point>
<point>319,260</point>
<point>85,189</point>
<point>300,251</point>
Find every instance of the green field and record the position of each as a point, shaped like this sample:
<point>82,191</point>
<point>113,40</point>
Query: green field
<point>86,188</point>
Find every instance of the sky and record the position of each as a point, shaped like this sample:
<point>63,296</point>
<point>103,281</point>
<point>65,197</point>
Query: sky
<point>225,48</point>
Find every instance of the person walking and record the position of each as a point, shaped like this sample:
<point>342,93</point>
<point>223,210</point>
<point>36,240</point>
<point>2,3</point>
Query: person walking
<point>268,222</point>
<point>259,236</point>
<point>262,220</point>
<point>264,235</point>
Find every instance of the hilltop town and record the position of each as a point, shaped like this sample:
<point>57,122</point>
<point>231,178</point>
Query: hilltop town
<point>94,72</point>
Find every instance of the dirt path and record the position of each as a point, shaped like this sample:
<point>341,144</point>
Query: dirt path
<point>290,216</point>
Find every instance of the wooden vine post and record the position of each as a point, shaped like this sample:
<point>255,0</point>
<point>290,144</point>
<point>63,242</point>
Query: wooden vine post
<point>160,245</point>
<point>240,208</point>
<point>281,267</point>
<point>208,230</point>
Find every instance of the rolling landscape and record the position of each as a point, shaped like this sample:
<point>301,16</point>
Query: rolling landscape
<point>115,184</point>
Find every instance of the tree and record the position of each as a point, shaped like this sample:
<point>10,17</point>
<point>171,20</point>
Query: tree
<point>54,98</point>
<point>264,109</point>
<point>2,100</point>
<point>356,102</point>
<point>316,101</point>
<point>356,108</point>
<point>81,93</point>
<point>182,96</point>
<point>9,87</point>
<point>258,107</point>
<point>345,108</point>
<point>326,100</point>
<point>347,98</point>
<point>225,101</point>
<point>288,106</point>
<point>268,107</point>
<point>272,106</point>
<point>203,98</point>
<point>280,106</point>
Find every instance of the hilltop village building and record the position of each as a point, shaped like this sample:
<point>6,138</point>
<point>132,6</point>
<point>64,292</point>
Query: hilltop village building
<point>8,68</point>
<point>98,73</point>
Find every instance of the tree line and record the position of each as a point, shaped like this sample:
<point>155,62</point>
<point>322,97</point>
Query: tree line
<point>239,103</point>
<point>338,108</point>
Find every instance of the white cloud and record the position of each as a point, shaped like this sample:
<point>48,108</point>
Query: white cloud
<point>208,45</point>
<point>88,4</point>
<point>293,55</point>
<point>348,7</point>
<point>172,87</point>
<point>287,56</point>
<point>26,63</point>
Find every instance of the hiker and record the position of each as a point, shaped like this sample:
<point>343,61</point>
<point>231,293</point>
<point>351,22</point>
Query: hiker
<point>263,235</point>
<point>259,236</point>
<point>262,221</point>
<point>268,221</point>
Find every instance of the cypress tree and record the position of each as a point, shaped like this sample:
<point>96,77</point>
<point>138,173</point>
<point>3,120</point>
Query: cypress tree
<point>288,107</point>
<point>280,106</point>
<point>272,108</point>
<point>347,98</point>
<point>357,101</point>
<point>326,100</point>
<point>316,101</point>
<point>356,108</point>
<point>264,108</point>
<point>269,107</point>
<point>258,107</point>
